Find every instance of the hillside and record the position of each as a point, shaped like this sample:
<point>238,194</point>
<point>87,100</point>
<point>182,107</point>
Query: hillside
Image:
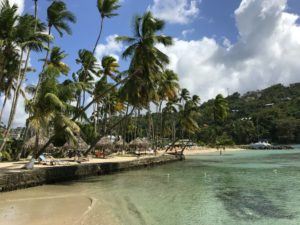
<point>272,114</point>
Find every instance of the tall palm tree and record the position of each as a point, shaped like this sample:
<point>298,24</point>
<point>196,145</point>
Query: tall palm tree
<point>106,9</point>
<point>184,95</point>
<point>29,36</point>
<point>167,91</point>
<point>110,67</point>
<point>147,61</point>
<point>220,109</point>
<point>55,61</point>
<point>58,17</point>
<point>86,74</point>
<point>9,55</point>
<point>52,107</point>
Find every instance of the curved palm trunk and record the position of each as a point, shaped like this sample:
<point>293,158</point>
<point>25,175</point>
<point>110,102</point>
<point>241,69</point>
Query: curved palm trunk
<point>77,115</point>
<point>99,36</point>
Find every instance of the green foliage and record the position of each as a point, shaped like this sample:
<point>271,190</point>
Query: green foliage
<point>58,17</point>
<point>272,114</point>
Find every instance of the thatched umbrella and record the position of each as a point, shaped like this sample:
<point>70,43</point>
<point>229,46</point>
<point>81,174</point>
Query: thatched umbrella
<point>121,144</point>
<point>30,144</point>
<point>80,145</point>
<point>104,143</point>
<point>140,143</point>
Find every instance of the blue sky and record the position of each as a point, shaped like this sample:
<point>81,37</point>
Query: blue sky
<point>215,19</point>
<point>220,46</point>
<point>211,21</point>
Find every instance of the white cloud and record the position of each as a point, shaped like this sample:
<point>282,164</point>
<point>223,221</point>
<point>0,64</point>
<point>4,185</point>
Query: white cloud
<point>111,48</point>
<point>185,33</point>
<point>176,11</point>
<point>19,3</point>
<point>20,116</point>
<point>267,52</point>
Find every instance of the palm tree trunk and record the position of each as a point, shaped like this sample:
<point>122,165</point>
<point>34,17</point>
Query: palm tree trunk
<point>95,113</point>
<point>109,129</point>
<point>37,138</point>
<point>99,36</point>
<point>41,77</point>
<point>35,28</point>
<point>14,103</point>
<point>3,106</point>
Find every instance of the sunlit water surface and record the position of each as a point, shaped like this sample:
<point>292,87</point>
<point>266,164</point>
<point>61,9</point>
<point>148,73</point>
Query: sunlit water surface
<point>248,187</point>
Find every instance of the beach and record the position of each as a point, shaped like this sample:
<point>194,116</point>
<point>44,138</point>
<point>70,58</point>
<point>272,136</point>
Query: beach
<point>204,189</point>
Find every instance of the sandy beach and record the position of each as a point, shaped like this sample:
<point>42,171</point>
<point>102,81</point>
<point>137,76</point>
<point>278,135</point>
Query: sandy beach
<point>67,161</point>
<point>205,150</point>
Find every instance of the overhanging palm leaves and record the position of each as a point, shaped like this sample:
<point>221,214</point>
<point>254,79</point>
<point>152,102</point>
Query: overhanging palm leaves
<point>147,61</point>
<point>58,17</point>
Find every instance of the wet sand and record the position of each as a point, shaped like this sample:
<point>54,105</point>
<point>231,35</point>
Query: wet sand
<point>36,208</point>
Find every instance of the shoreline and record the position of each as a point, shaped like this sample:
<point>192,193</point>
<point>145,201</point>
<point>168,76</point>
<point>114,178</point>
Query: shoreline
<point>205,150</point>
<point>16,178</point>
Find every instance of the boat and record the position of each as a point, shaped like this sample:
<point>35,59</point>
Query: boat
<point>260,145</point>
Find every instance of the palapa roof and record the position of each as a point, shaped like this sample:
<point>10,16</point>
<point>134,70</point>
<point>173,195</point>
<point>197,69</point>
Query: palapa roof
<point>121,143</point>
<point>80,145</point>
<point>138,142</point>
<point>104,142</point>
<point>30,144</point>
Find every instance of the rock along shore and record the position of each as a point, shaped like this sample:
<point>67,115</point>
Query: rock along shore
<point>13,180</point>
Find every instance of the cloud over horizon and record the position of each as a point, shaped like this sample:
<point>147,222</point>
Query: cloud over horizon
<point>267,52</point>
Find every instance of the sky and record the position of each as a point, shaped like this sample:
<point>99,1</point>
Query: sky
<point>220,46</point>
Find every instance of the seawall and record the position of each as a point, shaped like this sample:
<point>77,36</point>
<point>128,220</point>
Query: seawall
<point>13,180</point>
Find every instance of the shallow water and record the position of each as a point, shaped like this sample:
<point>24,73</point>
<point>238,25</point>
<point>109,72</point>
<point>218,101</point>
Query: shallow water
<point>240,188</point>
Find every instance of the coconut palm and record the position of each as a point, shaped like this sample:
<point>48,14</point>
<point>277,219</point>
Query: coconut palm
<point>55,61</point>
<point>109,67</point>
<point>58,17</point>
<point>110,100</point>
<point>220,109</point>
<point>184,95</point>
<point>29,36</point>
<point>167,91</point>
<point>9,55</point>
<point>86,74</point>
<point>53,101</point>
<point>147,61</point>
<point>106,9</point>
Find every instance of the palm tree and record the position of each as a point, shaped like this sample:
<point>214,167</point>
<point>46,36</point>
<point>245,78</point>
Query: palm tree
<point>55,61</point>
<point>110,67</point>
<point>29,36</point>
<point>85,75</point>
<point>167,91</point>
<point>106,9</point>
<point>52,108</point>
<point>184,95</point>
<point>147,61</point>
<point>58,18</point>
<point>220,109</point>
<point>9,55</point>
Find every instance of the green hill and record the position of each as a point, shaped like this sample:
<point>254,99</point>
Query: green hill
<point>272,114</point>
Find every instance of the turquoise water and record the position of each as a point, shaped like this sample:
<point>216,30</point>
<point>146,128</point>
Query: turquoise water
<point>240,188</point>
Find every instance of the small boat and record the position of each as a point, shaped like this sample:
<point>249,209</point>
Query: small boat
<point>260,145</point>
